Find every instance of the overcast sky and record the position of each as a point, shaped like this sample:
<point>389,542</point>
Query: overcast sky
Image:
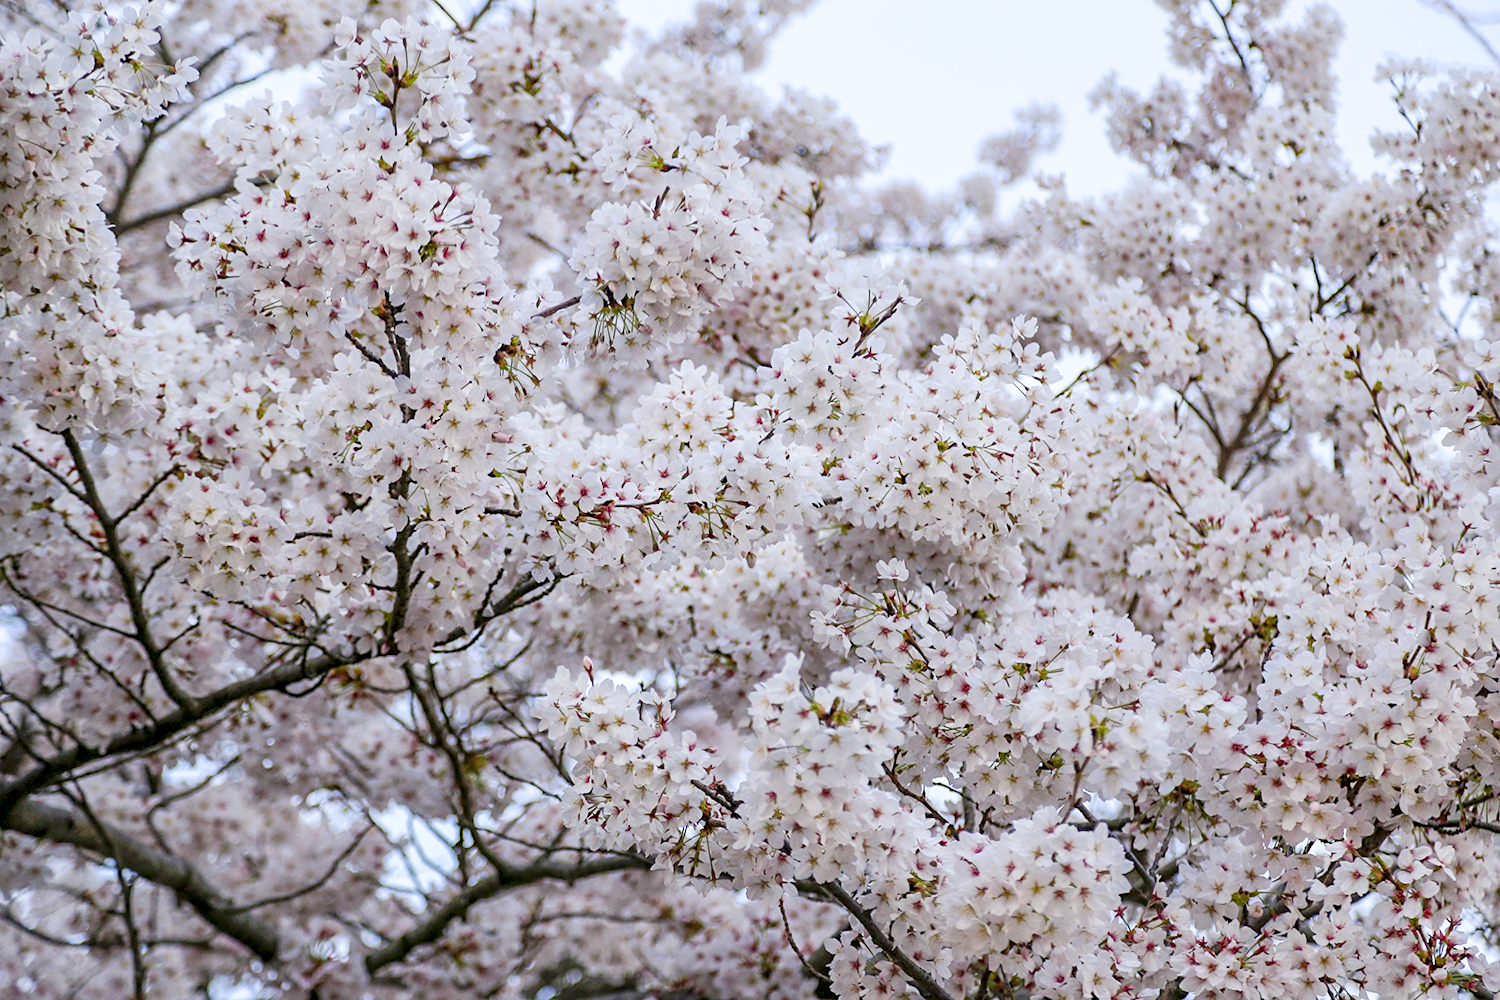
<point>933,78</point>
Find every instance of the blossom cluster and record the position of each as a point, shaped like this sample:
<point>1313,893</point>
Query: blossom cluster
<point>71,92</point>
<point>527,516</point>
<point>653,269</point>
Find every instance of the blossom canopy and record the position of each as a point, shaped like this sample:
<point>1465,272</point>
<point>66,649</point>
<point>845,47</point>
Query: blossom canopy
<point>520,513</point>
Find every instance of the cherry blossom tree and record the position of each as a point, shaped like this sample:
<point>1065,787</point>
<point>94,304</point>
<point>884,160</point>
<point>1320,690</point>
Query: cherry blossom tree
<point>530,518</point>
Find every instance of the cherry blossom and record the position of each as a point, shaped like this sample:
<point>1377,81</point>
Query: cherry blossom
<point>499,505</point>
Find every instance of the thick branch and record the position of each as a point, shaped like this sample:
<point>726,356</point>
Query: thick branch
<point>63,826</point>
<point>147,737</point>
<point>432,928</point>
<point>182,206</point>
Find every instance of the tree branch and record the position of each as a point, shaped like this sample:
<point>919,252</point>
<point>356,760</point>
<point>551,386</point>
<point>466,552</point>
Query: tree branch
<point>1466,21</point>
<point>114,550</point>
<point>149,736</point>
<point>64,826</point>
<point>504,878</point>
<point>920,978</point>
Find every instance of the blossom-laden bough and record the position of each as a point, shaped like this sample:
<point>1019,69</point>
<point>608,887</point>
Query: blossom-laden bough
<point>512,522</point>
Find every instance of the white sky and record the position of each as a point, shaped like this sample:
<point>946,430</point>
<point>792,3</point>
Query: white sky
<point>932,78</point>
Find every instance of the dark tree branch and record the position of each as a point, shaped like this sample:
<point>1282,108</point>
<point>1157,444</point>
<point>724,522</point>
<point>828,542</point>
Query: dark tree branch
<point>553,310</point>
<point>507,877</point>
<point>65,826</point>
<point>920,978</point>
<point>125,574</point>
<point>148,737</point>
<point>172,211</point>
